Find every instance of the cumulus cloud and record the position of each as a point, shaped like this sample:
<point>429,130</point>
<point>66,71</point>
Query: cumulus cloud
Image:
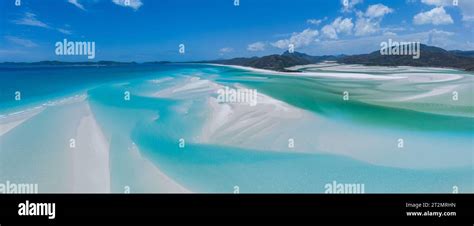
<point>366,26</point>
<point>378,10</point>
<point>369,22</point>
<point>364,44</point>
<point>343,25</point>
<point>339,25</point>
<point>20,41</point>
<point>348,5</point>
<point>256,46</point>
<point>77,4</point>
<point>436,16</point>
<point>301,39</point>
<point>329,32</point>
<point>134,4</point>
<point>466,7</point>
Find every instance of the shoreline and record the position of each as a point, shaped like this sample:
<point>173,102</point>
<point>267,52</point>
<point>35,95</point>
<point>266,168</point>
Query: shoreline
<point>413,74</point>
<point>312,74</point>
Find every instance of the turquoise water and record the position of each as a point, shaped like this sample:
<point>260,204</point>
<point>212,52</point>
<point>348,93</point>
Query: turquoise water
<point>155,124</point>
<point>40,83</point>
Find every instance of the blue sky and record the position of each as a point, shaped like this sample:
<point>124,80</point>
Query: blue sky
<point>148,30</point>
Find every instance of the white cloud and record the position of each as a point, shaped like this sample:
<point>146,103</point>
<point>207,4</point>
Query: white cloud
<point>369,22</point>
<point>77,4</point>
<point>314,21</point>
<point>438,2</point>
<point>378,10</point>
<point>328,31</point>
<point>343,25</point>
<point>441,32</point>
<point>21,41</point>
<point>339,25</point>
<point>466,7</point>
<point>301,39</point>
<point>135,4</point>
<point>440,38</point>
<point>366,26</point>
<point>366,44</point>
<point>225,50</point>
<point>64,31</point>
<point>29,19</point>
<point>389,33</point>
<point>256,46</point>
<point>436,16</point>
<point>348,5</point>
<point>282,44</point>
<point>467,10</point>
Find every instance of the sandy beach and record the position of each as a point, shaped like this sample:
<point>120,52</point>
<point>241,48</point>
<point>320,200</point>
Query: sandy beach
<point>12,120</point>
<point>271,123</point>
<point>90,156</point>
<point>132,146</point>
<point>314,74</point>
<point>85,158</point>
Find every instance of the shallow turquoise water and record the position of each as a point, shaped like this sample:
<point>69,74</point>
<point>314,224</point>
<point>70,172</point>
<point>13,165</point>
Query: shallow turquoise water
<point>154,125</point>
